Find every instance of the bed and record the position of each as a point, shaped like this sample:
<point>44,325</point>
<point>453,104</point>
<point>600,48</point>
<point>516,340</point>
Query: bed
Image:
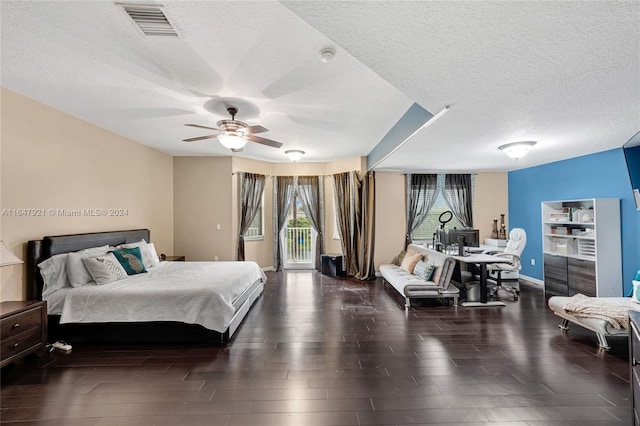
<point>599,324</point>
<point>171,302</point>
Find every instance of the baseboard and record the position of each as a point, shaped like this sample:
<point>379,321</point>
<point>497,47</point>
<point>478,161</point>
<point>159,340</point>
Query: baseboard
<point>268,268</point>
<point>532,280</point>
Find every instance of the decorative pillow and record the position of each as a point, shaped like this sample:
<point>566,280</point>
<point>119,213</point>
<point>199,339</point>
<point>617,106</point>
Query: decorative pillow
<point>104,269</point>
<point>635,296</point>
<point>54,274</point>
<point>437,271</point>
<point>410,260</point>
<point>149,258</point>
<point>130,259</point>
<point>424,270</point>
<point>400,258</point>
<point>154,254</point>
<point>78,274</point>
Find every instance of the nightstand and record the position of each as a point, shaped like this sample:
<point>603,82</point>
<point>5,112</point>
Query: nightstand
<point>174,259</point>
<point>23,329</point>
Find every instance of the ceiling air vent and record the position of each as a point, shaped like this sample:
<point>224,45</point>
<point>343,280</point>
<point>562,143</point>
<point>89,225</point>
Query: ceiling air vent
<point>150,19</point>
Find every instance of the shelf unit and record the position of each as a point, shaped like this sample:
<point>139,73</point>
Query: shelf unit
<point>582,247</point>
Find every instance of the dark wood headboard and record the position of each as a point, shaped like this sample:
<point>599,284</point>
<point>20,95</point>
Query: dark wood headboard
<point>40,250</point>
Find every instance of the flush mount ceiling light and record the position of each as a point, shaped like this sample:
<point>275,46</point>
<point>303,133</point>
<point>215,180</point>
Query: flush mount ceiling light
<point>517,149</point>
<point>294,154</point>
<point>327,54</point>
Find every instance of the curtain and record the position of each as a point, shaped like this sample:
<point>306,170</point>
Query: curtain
<point>366,269</point>
<point>345,211</point>
<point>422,192</point>
<point>251,189</point>
<point>355,217</point>
<point>283,197</point>
<point>310,190</point>
<point>459,196</point>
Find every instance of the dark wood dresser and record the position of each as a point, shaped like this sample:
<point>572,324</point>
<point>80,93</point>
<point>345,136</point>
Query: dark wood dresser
<point>23,329</point>
<point>634,360</point>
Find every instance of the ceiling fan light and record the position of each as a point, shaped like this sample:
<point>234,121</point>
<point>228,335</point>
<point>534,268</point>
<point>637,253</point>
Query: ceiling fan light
<point>233,140</point>
<point>294,154</point>
<point>517,149</point>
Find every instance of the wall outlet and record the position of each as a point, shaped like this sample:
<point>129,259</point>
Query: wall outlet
<point>215,258</point>
<point>533,262</point>
<point>218,227</point>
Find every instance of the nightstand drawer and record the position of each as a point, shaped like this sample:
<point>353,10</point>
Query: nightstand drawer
<point>23,329</point>
<point>20,323</point>
<point>18,344</point>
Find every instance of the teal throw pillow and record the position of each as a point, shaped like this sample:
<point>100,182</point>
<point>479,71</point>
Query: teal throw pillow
<point>131,260</point>
<point>424,270</point>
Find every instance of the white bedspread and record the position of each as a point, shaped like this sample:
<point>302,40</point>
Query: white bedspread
<point>190,292</point>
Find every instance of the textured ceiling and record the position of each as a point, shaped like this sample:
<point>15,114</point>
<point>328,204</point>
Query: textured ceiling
<point>565,74</point>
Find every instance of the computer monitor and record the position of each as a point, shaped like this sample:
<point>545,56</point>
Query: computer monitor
<point>471,237</point>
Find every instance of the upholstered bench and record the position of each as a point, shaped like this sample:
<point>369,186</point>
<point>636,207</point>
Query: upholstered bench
<point>411,286</point>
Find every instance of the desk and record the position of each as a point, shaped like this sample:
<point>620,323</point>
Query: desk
<point>482,260</point>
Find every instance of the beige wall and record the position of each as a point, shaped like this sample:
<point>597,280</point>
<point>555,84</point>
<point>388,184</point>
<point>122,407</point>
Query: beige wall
<point>206,194</point>
<point>489,200</point>
<point>390,217</point>
<point>51,160</point>
<point>203,199</point>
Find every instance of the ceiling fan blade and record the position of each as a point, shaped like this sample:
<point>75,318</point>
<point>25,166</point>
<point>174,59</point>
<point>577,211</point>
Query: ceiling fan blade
<point>255,129</point>
<point>201,127</point>
<point>237,150</point>
<point>200,138</point>
<point>264,141</point>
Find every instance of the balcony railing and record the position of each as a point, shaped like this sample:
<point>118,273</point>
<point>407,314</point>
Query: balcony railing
<point>299,245</point>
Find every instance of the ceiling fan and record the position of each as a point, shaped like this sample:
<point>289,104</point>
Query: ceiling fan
<point>234,134</point>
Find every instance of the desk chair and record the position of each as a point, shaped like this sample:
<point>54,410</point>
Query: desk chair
<point>512,252</point>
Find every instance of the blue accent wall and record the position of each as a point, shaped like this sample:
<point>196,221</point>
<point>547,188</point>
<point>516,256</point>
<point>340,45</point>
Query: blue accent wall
<point>600,175</point>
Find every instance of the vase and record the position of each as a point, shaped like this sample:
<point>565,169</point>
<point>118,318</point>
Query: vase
<point>494,232</point>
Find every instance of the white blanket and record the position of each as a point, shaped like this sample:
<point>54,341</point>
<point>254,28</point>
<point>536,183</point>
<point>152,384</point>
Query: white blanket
<point>592,307</point>
<point>190,292</point>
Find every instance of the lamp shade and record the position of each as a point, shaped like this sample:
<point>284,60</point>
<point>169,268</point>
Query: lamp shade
<point>233,140</point>
<point>7,257</point>
<point>517,149</point>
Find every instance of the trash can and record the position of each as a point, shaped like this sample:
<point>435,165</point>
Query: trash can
<point>332,265</point>
<point>473,291</point>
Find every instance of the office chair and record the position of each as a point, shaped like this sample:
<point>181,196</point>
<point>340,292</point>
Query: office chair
<point>512,252</point>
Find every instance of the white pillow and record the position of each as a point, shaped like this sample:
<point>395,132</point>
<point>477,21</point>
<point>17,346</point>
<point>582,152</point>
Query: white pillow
<point>154,254</point>
<point>149,259</point>
<point>104,269</point>
<point>78,273</point>
<point>54,274</point>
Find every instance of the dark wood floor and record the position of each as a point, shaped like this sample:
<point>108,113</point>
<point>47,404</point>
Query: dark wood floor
<point>324,351</point>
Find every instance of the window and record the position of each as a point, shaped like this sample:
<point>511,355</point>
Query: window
<point>255,231</point>
<point>431,223</point>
